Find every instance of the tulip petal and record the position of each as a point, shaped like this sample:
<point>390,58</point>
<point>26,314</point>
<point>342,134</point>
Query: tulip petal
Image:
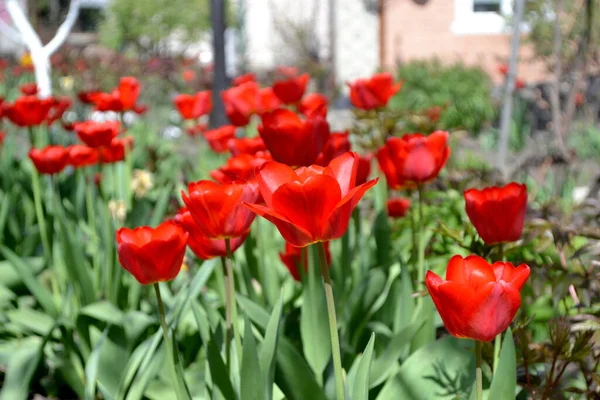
<point>296,235</point>
<point>343,169</point>
<point>491,310</point>
<point>472,270</point>
<point>452,301</point>
<point>338,219</point>
<point>271,175</point>
<point>308,204</point>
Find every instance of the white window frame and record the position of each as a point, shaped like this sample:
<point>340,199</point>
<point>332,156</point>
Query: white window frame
<point>468,22</point>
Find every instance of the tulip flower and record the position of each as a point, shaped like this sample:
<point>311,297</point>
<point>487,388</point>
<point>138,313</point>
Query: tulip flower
<point>413,159</point>
<point>128,92</point>
<point>240,167</point>
<point>106,101</point>
<point>477,300</point>
<point>49,160</point>
<point>152,255</point>
<point>97,134</point>
<point>86,97</point>
<point>240,103</point>
<point>246,145</point>
<point>28,111</point>
<point>115,152</point>
<point>82,156</point>
<point>397,207</point>
<point>497,213</point>
<point>218,138</point>
<point>59,106</point>
<point>217,208</point>
<point>291,140</point>
<point>312,204</point>
<point>292,258</point>
<point>239,80</point>
<point>267,101</point>
<point>193,106</point>
<point>337,145</point>
<point>203,247</point>
<point>291,89</point>
<point>375,92</point>
<point>313,104</point>
<point>29,89</point>
<point>196,130</point>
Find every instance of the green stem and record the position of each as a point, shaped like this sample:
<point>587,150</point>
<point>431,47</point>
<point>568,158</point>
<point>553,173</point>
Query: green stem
<point>165,329</point>
<point>335,340</point>
<point>227,313</point>
<point>31,137</point>
<point>37,200</point>
<point>478,375</point>
<point>234,318</point>
<point>421,249</point>
<point>91,214</point>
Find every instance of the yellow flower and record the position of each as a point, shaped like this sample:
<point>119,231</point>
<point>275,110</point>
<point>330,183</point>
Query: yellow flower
<point>141,182</point>
<point>26,60</point>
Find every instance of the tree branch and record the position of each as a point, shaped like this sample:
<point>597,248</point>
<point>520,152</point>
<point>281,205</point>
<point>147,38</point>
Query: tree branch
<point>8,31</point>
<point>29,37</point>
<point>64,29</point>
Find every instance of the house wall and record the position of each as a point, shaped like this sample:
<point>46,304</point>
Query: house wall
<point>423,31</point>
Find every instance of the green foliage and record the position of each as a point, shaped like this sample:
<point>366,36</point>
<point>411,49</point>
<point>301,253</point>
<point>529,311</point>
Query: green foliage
<point>462,91</point>
<point>145,23</point>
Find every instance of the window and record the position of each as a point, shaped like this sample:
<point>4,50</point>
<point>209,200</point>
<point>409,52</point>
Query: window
<point>487,6</point>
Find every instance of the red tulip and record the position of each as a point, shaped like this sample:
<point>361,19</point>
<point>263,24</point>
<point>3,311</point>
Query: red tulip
<point>28,111</point>
<point>189,75</point>
<point>29,89</point>
<point>203,247</point>
<point>129,91</point>
<point>477,300</point>
<point>97,134</point>
<point>240,167</point>
<point>313,104</point>
<point>217,208</point>
<point>520,84</point>
<point>292,258</point>
<point>249,77</point>
<point>311,204</point>
<point>140,109</point>
<point>82,156</point>
<point>106,101</point>
<point>116,151</point>
<point>413,159</point>
<point>397,207</point>
<point>503,69</point>
<point>240,102</point>
<point>291,140</point>
<point>246,145</point>
<point>267,101</point>
<point>59,106</point>
<point>375,92</point>
<point>196,130</point>
<point>86,97</point>
<point>218,138</point>
<point>49,160</point>
<point>194,106</point>
<point>497,213</point>
<point>291,90</point>
<point>337,145</point>
<point>152,255</point>
<point>364,169</point>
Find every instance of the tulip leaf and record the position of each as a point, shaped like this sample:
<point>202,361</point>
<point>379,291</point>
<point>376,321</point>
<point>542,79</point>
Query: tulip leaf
<point>91,368</point>
<point>252,385</point>
<point>218,371</point>
<point>21,366</point>
<point>425,312</point>
<point>42,295</point>
<point>269,349</point>
<point>504,382</point>
<point>360,383</point>
<point>314,324</point>
<point>397,347</point>
<point>406,304</point>
<point>444,370</point>
<point>382,231</point>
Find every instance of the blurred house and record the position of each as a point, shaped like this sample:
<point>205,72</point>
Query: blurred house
<point>474,31</point>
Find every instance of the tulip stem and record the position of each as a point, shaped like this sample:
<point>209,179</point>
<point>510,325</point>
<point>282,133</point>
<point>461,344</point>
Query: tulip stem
<point>37,200</point>
<point>165,330</point>
<point>231,287</point>
<point>227,314</point>
<point>478,375</point>
<point>91,214</point>
<point>421,249</point>
<point>335,340</point>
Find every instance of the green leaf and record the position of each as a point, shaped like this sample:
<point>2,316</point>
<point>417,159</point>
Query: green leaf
<point>11,278</point>
<point>360,386</point>
<point>269,349</point>
<point>406,304</point>
<point>398,347</point>
<point>41,294</point>
<point>218,371</point>
<point>504,382</point>
<point>252,385</point>
<point>442,370</point>
<point>104,311</point>
<point>32,320</point>
<point>382,232</point>
<point>424,312</point>
<point>161,206</point>
<point>314,324</point>
<point>91,368</point>
<point>22,365</point>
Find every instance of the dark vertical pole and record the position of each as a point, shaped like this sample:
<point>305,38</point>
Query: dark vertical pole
<point>332,45</point>
<point>217,15</point>
<point>381,15</point>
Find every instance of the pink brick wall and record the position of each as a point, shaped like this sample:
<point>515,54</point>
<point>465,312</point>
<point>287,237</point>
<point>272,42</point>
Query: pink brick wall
<point>421,32</point>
